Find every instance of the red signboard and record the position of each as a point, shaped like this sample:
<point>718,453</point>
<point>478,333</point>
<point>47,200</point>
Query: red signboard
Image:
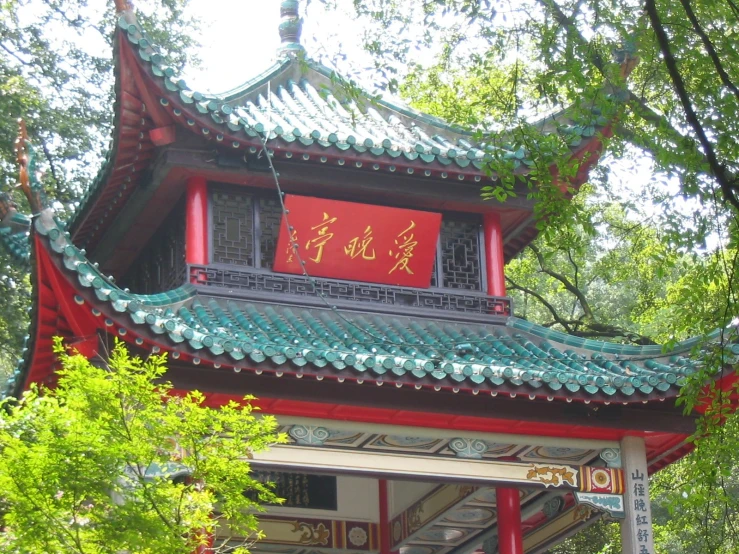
<point>359,242</point>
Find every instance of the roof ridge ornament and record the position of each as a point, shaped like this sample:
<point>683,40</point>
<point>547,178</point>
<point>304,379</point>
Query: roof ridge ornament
<point>26,157</point>
<point>625,54</point>
<point>123,6</point>
<point>290,28</point>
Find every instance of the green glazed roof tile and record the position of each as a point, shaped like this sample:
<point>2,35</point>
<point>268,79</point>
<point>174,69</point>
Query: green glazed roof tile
<point>16,244</point>
<point>517,356</point>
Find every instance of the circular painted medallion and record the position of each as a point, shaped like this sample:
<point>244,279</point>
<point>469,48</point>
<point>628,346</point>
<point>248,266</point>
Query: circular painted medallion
<point>485,495</point>
<point>438,534</point>
<point>558,453</point>
<point>601,478</point>
<point>357,536</point>
<point>407,442</point>
<point>469,515</point>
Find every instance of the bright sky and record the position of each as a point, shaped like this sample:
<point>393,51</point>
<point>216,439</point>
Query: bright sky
<point>246,31</point>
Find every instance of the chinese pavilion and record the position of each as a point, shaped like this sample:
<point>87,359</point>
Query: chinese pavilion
<point>333,258</point>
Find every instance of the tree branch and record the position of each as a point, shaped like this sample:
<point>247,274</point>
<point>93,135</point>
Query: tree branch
<point>63,529</point>
<point>710,50</point>
<point>573,33</point>
<point>600,330</point>
<point>572,289</point>
<point>574,266</point>
<point>582,327</point>
<point>16,56</point>
<point>718,170</point>
<point>726,179</point>
<point>552,310</point>
<point>52,168</point>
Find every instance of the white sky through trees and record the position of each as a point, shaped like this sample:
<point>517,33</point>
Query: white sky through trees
<point>240,39</point>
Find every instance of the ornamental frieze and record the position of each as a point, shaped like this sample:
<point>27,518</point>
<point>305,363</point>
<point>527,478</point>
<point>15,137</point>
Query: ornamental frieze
<point>552,476</point>
<point>327,533</point>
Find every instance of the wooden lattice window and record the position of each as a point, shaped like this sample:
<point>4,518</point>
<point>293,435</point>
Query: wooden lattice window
<point>233,228</point>
<point>270,216</point>
<point>459,255</point>
<point>245,228</point>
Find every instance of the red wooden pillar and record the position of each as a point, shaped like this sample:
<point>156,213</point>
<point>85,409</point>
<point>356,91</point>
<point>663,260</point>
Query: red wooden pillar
<point>385,536</point>
<point>209,537</point>
<point>196,218</point>
<point>510,534</point>
<point>494,260</point>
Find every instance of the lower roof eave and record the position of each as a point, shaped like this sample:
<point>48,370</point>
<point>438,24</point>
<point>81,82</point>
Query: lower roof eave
<point>275,363</point>
<point>142,336</point>
<point>514,359</point>
<point>285,389</point>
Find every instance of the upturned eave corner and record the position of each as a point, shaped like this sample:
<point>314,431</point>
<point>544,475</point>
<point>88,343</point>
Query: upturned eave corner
<point>134,116</point>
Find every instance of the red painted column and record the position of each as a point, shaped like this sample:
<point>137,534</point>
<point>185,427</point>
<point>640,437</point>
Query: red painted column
<point>510,534</point>
<point>196,245</point>
<point>385,536</point>
<point>494,260</point>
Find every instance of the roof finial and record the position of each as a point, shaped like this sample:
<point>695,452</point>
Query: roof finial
<point>21,155</point>
<point>290,27</point>
<point>26,156</point>
<point>625,55</point>
<point>123,6</point>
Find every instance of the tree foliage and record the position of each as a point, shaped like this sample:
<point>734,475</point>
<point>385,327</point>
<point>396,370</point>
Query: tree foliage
<point>697,499</point>
<point>111,461</point>
<point>621,281</point>
<point>597,279</point>
<point>678,105</point>
<point>626,270</point>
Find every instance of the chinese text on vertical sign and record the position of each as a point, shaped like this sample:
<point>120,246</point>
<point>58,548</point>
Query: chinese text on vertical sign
<point>642,524</point>
<point>360,242</point>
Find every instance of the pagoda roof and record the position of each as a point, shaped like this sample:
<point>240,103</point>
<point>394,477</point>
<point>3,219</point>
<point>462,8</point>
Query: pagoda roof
<point>508,355</point>
<point>299,100</point>
<point>304,111</point>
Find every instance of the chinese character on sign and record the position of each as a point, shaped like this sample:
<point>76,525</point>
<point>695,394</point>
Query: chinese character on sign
<point>643,549</point>
<point>640,505</point>
<point>405,245</point>
<point>322,237</point>
<point>637,475</point>
<point>357,246</point>
<point>642,535</point>
<point>641,520</point>
<point>292,246</point>
<point>639,489</point>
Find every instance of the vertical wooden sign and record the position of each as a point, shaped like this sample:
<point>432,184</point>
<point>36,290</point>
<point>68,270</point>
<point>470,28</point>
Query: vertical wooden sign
<point>636,531</point>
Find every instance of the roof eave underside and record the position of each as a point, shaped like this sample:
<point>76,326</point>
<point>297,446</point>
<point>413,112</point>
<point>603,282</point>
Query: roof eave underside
<point>128,155</point>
